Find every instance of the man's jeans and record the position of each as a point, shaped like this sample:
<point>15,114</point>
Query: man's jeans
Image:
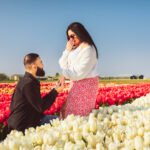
<point>47,119</point>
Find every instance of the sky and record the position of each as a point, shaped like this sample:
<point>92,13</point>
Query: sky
<point>119,28</point>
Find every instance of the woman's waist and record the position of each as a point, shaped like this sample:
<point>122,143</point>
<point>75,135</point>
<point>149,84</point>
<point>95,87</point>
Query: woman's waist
<point>88,78</point>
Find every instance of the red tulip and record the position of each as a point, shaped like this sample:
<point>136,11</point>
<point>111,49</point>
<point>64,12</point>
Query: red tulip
<point>107,95</point>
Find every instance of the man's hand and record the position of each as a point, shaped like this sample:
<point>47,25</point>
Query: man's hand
<point>59,87</point>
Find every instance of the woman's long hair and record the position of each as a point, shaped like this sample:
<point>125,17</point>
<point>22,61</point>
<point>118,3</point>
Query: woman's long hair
<point>82,34</point>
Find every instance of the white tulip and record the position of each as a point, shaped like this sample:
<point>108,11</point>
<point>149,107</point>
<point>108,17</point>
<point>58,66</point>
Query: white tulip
<point>86,128</point>
<point>129,144</point>
<point>131,133</point>
<point>3,147</point>
<point>37,148</point>
<point>147,139</point>
<point>55,122</point>
<point>110,111</point>
<point>146,148</point>
<point>49,139</point>
<point>91,141</point>
<point>65,137</point>
<point>60,143</point>
<point>70,118</point>
<point>141,131</point>
<point>69,146</point>
<point>100,137</point>
<point>112,146</point>
<point>46,147</point>
<point>147,127</point>
<point>100,116</point>
<point>138,143</point>
<point>95,112</point>
<point>81,144</point>
<point>99,146</point>
<point>77,137</point>
<point>93,124</point>
<point>13,145</point>
<point>75,127</point>
<point>108,140</point>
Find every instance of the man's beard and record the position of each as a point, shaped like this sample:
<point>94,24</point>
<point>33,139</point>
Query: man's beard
<point>40,72</point>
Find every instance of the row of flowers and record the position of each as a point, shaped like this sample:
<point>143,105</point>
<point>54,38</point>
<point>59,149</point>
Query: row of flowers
<point>121,94</point>
<point>108,95</point>
<point>123,127</point>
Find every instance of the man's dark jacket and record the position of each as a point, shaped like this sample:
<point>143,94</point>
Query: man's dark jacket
<point>27,106</point>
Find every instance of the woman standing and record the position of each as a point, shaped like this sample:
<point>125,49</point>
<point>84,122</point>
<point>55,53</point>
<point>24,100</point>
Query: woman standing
<point>78,63</point>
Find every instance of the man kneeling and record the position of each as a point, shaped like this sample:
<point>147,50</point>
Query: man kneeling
<point>27,106</point>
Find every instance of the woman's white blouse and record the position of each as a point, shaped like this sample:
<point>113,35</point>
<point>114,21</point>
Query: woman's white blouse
<point>79,63</point>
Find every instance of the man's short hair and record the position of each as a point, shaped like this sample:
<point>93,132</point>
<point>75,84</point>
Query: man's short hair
<point>30,58</point>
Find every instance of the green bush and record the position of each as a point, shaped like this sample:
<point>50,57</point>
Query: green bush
<point>3,77</point>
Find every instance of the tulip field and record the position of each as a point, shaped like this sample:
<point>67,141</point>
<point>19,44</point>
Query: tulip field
<point>120,120</point>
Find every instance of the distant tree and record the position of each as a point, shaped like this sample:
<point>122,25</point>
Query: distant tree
<point>141,77</point>
<point>57,74</point>
<point>3,77</point>
<point>133,77</point>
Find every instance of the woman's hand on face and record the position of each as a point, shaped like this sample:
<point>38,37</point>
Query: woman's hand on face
<point>70,45</point>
